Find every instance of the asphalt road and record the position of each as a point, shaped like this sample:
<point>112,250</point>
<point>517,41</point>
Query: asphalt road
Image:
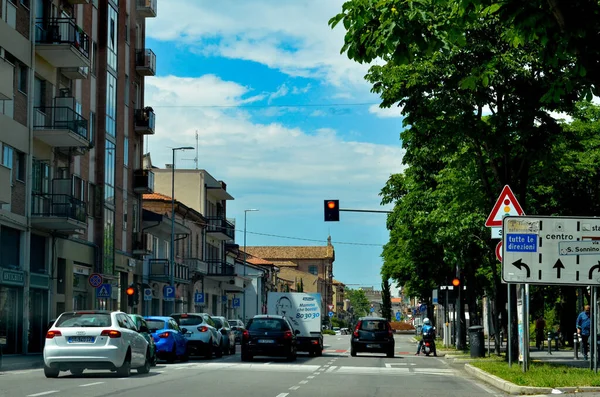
<point>333,374</point>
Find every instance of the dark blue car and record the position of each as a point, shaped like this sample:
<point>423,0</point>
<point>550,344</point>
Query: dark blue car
<point>169,338</point>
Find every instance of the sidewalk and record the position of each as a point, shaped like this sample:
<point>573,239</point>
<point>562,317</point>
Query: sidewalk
<point>20,362</point>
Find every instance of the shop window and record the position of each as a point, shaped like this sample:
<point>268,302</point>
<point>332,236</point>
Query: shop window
<point>10,250</point>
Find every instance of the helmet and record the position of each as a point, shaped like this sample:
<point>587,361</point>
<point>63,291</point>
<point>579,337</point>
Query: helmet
<point>426,321</point>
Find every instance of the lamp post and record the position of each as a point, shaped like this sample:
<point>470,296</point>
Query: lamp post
<point>245,256</point>
<point>172,267</point>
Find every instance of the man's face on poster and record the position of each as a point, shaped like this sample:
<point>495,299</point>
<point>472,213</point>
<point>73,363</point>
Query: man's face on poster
<point>284,306</point>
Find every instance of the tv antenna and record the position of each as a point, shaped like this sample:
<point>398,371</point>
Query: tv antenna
<point>195,159</point>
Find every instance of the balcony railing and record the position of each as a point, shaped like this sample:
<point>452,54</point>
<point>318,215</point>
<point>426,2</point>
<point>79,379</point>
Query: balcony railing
<point>58,205</point>
<point>160,270</point>
<point>144,121</point>
<point>143,181</point>
<point>62,31</point>
<point>218,267</point>
<point>145,62</point>
<point>60,118</point>
<point>220,225</point>
<point>146,8</point>
<point>196,265</point>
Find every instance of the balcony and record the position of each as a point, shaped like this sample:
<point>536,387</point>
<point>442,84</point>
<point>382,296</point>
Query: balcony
<point>143,181</point>
<point>160,271</point>
<point>144,121</point>
<point>62,43</point>
<point>220,228</point>
<point>7,82</point>
<point>76,72</point>
<point>6,183</point>
<point>142,244</point>
<point>61,126</point>
<point>145,62</point>
<point>146,8</point>
<point>196,265</point>
<point>58,212</point>
<point>219,267</point>
<point>79,1</point>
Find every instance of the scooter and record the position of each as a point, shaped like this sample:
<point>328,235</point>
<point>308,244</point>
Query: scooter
<point>427,346</point>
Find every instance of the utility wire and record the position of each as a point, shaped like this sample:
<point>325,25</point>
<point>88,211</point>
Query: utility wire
<point>307,105</point>
<point>309,239</point>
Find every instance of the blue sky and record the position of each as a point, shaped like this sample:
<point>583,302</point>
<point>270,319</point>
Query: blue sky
<point>282,118</point>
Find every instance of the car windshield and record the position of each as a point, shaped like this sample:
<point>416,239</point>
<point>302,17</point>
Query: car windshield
<point>373,325</point>
<point>84,320</point>
<point>266,324</point>
<point>155,325</point>
<point>232,323</point>
<point>188,319</point>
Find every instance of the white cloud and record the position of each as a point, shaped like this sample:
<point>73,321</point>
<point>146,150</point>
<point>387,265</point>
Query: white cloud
<point>289,163</point>
<point>394,111</point>
<point>291,36</point>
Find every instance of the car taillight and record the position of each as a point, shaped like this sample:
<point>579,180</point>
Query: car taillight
<point>164,335</point>
<point>246,335</point>
<point>111,333</point>
<point>357,328</point>
<point>390,331</point>
<point>427,344</point>
<point>202,328</point>
<point>288,335</point>
<point>52,334</point>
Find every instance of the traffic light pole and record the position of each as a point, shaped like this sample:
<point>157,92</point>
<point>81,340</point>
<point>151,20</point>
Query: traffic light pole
<point>374,211</point>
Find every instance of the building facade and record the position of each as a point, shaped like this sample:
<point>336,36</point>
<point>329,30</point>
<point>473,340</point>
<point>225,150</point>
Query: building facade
<point>72,119</point>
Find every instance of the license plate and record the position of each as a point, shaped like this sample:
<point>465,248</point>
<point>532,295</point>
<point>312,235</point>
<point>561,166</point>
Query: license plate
<point>373,346</point>
<point>81,339</point>
<point>266,341</point>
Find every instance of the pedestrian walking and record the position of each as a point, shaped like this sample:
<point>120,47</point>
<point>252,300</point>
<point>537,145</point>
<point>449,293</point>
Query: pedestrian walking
<point>540,327</point>
<point>583,328</point>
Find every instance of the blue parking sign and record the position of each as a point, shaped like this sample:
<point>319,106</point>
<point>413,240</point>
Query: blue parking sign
<point>235,302</point>
<point>168,293</point>
<point>198,298</point>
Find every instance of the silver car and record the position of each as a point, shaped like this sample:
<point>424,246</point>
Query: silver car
<point>202,334</point>
<point>228,335</point>
<point>95,339</point>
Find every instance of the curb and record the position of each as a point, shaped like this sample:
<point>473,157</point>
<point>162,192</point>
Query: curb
<point>5,367</point>
<point>513,389</point>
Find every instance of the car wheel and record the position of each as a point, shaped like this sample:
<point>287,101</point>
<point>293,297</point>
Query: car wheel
<point>319,351</point>
<point>246,356</point>
<point>390,354</point>
<point>124,371</point>
<point>76,372</point>
<point>146,367</point>
<point>51,372</point>
<point>353,352</point>
<point>186,355</point>
<point>154,359</point>
<point>219,351</point>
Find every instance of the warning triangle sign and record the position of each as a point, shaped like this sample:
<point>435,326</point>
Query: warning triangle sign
<point>506,204</point>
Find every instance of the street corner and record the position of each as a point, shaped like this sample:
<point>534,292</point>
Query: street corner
<point>505,385</point>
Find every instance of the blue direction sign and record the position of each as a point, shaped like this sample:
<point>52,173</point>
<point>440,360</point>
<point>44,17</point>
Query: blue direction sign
<point>398,316</point>
<point>198,298</point>
<point>147,294</point>
<point>330,314</point>
<point>224,298</point>
<point>168,293</point>
<point>235,302</point>
<point>372,310</point>
<point>104,291</point>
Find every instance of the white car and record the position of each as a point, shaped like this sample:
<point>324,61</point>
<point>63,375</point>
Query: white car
<point>202,335</point>
<point>95,339</point>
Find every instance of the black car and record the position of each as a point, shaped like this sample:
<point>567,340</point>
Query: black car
<point>372,334</point>
<point>268,335</point>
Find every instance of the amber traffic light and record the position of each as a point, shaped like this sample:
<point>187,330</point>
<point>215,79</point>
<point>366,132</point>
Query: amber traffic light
<point>130,291</point>
<point>332,210</point>
<point>456,282</point>
<point>132,295</point>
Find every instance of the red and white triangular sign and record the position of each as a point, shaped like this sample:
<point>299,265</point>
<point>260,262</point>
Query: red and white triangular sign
<point>506,204</point>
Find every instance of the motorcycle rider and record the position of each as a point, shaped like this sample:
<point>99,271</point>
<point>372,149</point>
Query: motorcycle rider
<point>429,331</point>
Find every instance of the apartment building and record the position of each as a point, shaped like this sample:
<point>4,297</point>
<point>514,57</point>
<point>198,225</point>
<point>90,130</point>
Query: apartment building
<point>72,122</point>
<point>200,191</point>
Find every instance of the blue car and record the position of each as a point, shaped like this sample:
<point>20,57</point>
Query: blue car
<point>169,338</point>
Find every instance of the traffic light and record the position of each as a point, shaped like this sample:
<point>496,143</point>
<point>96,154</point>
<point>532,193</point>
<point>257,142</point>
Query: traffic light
<point>332,210</point>
<point>456,282</point>
<point>132,295</point>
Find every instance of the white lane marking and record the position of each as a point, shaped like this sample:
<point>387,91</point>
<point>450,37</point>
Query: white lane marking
<point>316,373</point>
<point>27,371</point>
<point>303,382</point>
<point>310,377</point>
<point>331,369</point>
<point>294,387</point>
<point>282,394</point>
<point>326,365</point>
<point>268,362</point>
<point>91,384</point>
<point>390,365</point>
<point>43,393</point>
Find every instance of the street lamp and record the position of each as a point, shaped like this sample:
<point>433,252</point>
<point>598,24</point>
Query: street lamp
<point>245,256</point>
<point>172,267</point>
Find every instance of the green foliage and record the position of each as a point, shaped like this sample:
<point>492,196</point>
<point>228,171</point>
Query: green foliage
<point>358,302</point>
<point>300,286</point>
<point>328,332</point>
<point>336,322</point>
<point>386,298</point>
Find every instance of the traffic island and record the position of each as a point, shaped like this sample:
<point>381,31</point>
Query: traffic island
<point>541,378</point>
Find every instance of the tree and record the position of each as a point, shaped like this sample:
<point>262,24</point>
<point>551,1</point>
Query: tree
<point>300,286</point>
<point>386,298</point>
<point>358,302</point>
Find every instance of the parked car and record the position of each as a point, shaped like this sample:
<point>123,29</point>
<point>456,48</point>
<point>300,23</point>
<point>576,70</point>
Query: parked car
<point>201,333</point>
<point>228,335</point>
<point>171,343</point>
<point>95,339</point>
<point>372,334</point>
<point>269,335</point>
<point>238,327</point>
<point>143,329</point>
